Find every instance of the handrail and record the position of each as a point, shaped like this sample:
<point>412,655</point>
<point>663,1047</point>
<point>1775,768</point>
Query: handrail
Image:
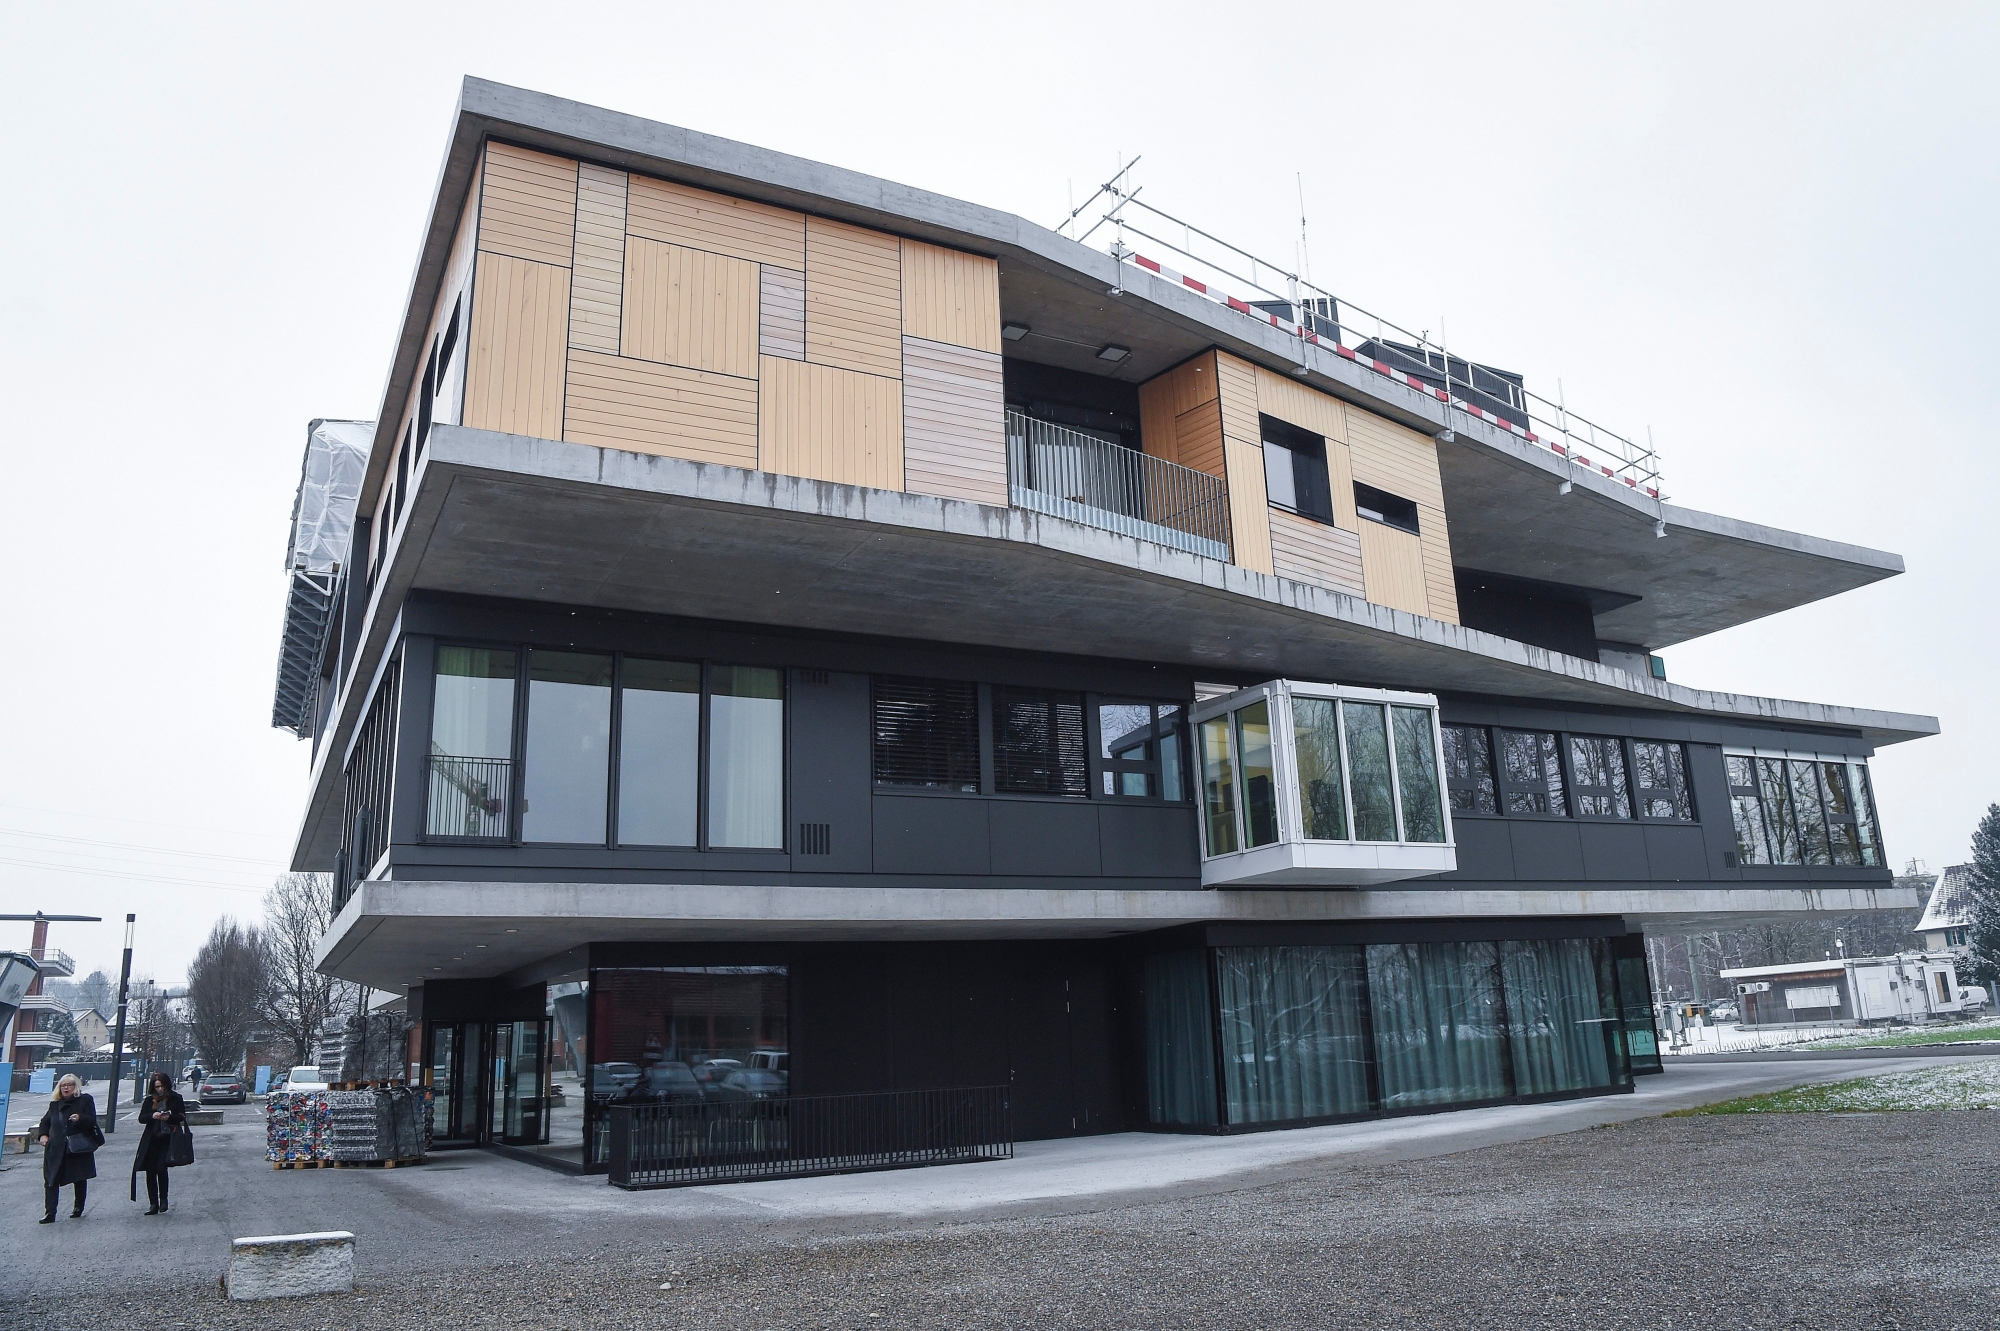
<point>468,797</point>
<point>1069,474</point>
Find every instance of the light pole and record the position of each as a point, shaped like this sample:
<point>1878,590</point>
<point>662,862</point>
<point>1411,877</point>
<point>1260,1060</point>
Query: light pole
<point>118,1040</point>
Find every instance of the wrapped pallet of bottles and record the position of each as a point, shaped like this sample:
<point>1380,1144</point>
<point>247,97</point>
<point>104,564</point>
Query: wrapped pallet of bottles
<point>378,1124</point>
<point>297,1127</point>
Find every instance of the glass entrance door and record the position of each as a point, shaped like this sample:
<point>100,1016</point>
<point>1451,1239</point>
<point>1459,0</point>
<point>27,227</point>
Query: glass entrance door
<point>457,1058</point>
<point>517,1104</point>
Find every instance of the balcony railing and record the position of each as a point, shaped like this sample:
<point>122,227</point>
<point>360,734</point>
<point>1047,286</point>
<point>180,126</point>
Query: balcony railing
<point>670,1145</point>
<point>469,797</point>
<point>1068,474</point>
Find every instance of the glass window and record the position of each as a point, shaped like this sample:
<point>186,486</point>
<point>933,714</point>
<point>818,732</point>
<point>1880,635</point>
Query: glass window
<point>1139,750</point>
<point>1368,771</point>
<point>1173,748</point>
<point>1775,792</point>
<point>1260,778</point>
<point>1864,816</point>
<point>1435,1008</point>
<point>568,757</point>
<point>1531,778</point>
<point>1811,816</point>
<point>1468,769</point>
<point>1180,1045</point>
<point>1218,785</point>
<point>1842,833</point>
<point>927,733</point>
<point>1562,1015</point>
<point>1597,765</point>
<point>1038,744</point>
<point>1417,774</point>
<point>685,1035</point>
<point>1293,1042</point>
<point>472,743</point>
<point>1316,728</point>
<point>1659,771</point>
<point>1753,839</point>
<point>746,757</point>
<point>659,751</point>
<point>1295,471</point>
<point>1278,480</point>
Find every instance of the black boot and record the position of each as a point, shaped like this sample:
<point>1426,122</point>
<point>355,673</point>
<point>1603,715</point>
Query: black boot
<point>48,1219</point>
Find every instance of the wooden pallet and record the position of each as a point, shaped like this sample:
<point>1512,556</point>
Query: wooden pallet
<point>346,1164</point>
<point>301,1164</point>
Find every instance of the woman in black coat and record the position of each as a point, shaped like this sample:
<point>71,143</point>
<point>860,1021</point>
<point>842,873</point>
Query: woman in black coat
<point>71,1113</point>
<point>162,1111</point>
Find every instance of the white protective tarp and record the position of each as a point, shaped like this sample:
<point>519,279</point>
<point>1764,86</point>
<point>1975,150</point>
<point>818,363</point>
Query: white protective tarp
<point>329,488</point>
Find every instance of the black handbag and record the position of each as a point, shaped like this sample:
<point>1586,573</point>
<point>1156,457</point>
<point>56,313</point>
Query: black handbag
<point>180,1148</point>
<point>81,1143</point>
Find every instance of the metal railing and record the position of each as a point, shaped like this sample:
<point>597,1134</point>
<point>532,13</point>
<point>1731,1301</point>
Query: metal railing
<point>1276,296</point>
<point>468,797</point>
<point>1068,474</point>
<point>677,1144</point>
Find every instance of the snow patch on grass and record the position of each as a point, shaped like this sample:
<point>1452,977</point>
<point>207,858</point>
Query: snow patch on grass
<point>1971,1083</point>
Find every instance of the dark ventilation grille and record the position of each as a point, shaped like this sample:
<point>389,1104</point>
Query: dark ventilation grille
<point>815,838</point>
<point>1038,745</point>
<point>812,676</point>
<point>927,733</point>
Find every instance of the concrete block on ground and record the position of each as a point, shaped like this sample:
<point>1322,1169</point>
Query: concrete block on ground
<point>284,1266</point>
<point>204,1118</point>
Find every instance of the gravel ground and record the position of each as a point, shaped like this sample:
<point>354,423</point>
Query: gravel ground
<point>1779,1221</point>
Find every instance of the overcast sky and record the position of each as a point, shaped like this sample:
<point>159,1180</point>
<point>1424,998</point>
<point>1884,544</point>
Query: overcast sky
<point>1765,231</point>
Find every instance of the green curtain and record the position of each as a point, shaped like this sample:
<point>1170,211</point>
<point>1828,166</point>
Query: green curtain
<point>1293,1043</point>
<point>1180,1047</point>
<point>1436,1013</point>
<point>1560,1020</point>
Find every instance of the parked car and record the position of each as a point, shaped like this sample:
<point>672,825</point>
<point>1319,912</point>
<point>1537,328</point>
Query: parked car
<point>1724,1011</point>
<point>751,1084</point>
<point>668,1082</point>
<point>711,1074</point>
<point>305,1077</point>
<point>222,1089</point>
<point>611,1081</point>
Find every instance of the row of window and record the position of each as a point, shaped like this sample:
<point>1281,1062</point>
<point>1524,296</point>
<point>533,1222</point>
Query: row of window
<point>928,734</point>
<point>1803,811</point>
<point>1527,772</point>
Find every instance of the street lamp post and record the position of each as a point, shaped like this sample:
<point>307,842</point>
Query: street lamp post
<point>118,1040</point>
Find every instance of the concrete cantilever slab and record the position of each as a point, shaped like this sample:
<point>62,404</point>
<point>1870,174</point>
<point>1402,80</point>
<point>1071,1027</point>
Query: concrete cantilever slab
<point>391,933</point>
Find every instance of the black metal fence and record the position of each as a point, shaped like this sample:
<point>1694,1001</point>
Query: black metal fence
<point>468,797</point>
<point>673,1145</point>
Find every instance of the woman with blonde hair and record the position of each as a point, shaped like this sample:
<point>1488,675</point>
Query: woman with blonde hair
<point>70,1138</point>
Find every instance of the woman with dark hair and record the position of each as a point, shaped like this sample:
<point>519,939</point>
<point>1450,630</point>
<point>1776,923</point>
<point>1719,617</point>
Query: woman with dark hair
<point>70,1135</point>
<point>162,1112</point>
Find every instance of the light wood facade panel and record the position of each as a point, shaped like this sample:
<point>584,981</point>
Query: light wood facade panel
<point>950,296</point>
<point>1392,568</point>
<point>1170,407</point>
<point>830,424</point>
<point>954,423</point>
<point>1440,584</point>
<point>854,315</point>
<point>527,205</point>
<point>1295,404</point>
<point>1249,505</point>
<point>645,407</point>
<point>1198,439</point>
<point>1390,457</point>
<point>515,347</point>
<point>1236,386</point>
<point>781,317</point>
<point>1313,552</point>
<point>597,272</point>
<point>690,308</point>
<point>704,220</point>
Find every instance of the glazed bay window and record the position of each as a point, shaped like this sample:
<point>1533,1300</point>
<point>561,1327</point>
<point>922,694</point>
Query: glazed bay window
<point>471,765</point>
<point>1321,784</point>
<point>1803,809</point>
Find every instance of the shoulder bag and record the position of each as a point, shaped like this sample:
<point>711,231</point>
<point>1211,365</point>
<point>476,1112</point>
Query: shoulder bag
<point>180,1148</point>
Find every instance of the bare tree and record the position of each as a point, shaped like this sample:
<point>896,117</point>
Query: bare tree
<point>297,1000</point>
<point>225,983</point>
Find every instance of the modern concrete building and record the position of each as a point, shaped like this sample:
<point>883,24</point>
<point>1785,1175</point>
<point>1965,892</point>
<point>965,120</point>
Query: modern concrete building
<point>841,639</point>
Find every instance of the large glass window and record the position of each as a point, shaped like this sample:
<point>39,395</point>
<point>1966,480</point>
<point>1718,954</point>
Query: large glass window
<point>1038,743</point>
<point>1531,779</point>
<point>1864,816</point>
<point>1260,777</point>
<point>1368,771</point>
<point>1321,795</point>
<point>1843,835</point>
<point>1294,1045</point>
<point>1811,815</point>
<point>927,733</point>
<point>686,1035</point>
<point>1562,1015</point>
<point>1295,474</point>
<point>1417,775</point>
<point>1746,809</point>
<point>1659,773</point>
<point>659,752</point>
<point>1139,749</point>
<point>1218,785</point>
<point>1180,1047</point>
<point>1468,768</point>
<point>746,757</point>
<point>1775,791</point>
<point>472,743</point>
<point>1803,811</point>
<point>1597,765</point>
<point>1436,1013</point>
<point>569,748</point>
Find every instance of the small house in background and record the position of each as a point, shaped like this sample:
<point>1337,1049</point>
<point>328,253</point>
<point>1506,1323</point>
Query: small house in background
<point>1948,916</point>
<point>1908,987</point>
<point>91,1028</point>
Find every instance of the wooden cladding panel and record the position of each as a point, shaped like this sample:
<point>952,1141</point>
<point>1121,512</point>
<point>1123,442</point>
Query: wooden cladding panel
<point>781,317</point>
<point>527,205</point>
<point>1391,458</point>
<point>1295,404</point>
<point>703,220</point>
<point>1236,385</point>
<point>1440,585</point>
<point>950,296</point>
<point>597,273</point>
<point>643,407</point>
<point>830,424</point>
<point>690,308</point>
<point>1313,552</point>
<point>1171,424</point>
<point>1198,436</point>
<point>954,425</point>
<point>1392,568</point>
<point>515,350</point>
<point>1249,505</point>
<point>854,315</point>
